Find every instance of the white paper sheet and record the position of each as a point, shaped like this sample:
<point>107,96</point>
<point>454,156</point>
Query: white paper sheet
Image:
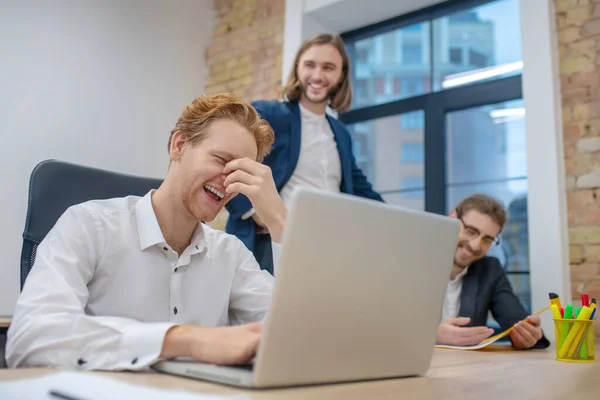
<point>86,386</point>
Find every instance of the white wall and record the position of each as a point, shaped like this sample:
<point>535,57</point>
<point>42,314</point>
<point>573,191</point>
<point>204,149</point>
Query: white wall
<point>99,83</point>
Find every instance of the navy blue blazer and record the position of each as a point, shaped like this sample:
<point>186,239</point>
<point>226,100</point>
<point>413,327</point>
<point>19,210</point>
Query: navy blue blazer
<point>284,118</point>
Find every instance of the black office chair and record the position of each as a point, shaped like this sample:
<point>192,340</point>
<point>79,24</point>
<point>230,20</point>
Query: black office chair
<point>54,186</point>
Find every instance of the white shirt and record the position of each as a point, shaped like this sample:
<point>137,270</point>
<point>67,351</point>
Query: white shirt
<point>452,299</point>
<point>106,287</point>
<point>319,164</point>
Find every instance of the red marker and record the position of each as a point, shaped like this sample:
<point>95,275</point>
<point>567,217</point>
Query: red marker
<point>562,312</point>
<point>585,300</point>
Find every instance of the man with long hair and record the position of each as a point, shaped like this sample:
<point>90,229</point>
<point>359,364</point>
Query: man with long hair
<point>311,149</point>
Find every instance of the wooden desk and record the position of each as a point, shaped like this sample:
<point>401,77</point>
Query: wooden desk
<point>5,322</point>
<point>492,374</point>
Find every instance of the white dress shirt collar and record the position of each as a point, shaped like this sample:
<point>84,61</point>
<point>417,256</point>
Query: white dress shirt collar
<point>149,230</point>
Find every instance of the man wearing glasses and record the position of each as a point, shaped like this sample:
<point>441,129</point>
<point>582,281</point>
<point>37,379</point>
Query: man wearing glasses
<point>478,283</point>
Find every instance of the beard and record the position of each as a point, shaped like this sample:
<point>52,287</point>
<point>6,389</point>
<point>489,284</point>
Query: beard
<point>460,264</point>
<point>471,259</point>
<point>328,95</point>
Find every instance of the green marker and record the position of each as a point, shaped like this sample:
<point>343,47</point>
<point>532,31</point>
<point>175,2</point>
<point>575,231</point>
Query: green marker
<point>565,326</point>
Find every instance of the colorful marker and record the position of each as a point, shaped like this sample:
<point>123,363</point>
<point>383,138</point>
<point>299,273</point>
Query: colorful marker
<point>585,300</point>
<point>569,312</point>
<point>564,326</point>
<point>554,299</point>
<point>570,345</point>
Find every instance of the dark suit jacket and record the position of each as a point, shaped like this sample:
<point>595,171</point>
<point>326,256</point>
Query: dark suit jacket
<point>486,288</point>
<point>284,118</point>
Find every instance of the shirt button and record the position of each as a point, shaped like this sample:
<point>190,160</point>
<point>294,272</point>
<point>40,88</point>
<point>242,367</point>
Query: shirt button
<point>165,249</point>
<point>175,310</point>
<point>175,269</point>
<point>134,360</point>
<point>81,361</point>
<point>197,248</point>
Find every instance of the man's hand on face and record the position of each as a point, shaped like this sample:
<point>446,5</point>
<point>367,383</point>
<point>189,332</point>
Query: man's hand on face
<point>255,181</point>
<point>526,333</point>
<point>452,332</point>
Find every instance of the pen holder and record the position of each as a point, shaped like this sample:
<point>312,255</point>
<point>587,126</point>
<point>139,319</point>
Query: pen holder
<point>574,340</point>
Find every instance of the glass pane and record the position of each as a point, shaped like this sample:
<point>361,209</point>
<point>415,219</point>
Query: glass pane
<point>486,143</point>
<point>413,199</point>
<point>477,44</point>
<point>391,66</point>
<point>521,286</point>
<point>513,251</point>
<point>390,153</point>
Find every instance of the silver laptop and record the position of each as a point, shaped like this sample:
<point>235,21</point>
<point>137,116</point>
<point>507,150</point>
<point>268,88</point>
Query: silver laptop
<point>358,295</point>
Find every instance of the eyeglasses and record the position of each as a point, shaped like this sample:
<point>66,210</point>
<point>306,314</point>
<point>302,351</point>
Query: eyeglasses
<point>473,233</point>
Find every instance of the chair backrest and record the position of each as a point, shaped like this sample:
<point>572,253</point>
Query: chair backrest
<point>55,185</point>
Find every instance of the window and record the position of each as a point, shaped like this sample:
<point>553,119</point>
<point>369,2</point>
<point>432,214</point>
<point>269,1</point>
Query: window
<point>486,144</point>
<point>362,55</point>
<point>397,85</point>
<point>388,48</point>
<point>412,54</point>
<point>379,86</point>
<point>388,156</point>
<point>412,187</point>
<point>412,152</point>
<point>411,86</point>
<point>461,141</point>
<point>398,52</point>
<point>486,153</point>
<point>465,46</point>
<point>456,56</point>
<point>414,28</point>
<point>412,121</point>
<point>412,183</point>
<point>362,87</point>
<point>477,59</point>
<point>491,36</point>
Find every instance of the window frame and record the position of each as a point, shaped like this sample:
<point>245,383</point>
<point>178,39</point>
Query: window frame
<point>435,105</point>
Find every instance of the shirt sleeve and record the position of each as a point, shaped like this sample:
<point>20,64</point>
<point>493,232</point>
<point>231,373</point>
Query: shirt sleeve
<point>251,290</point>
<point>50,326</point>
<point>250,213</point>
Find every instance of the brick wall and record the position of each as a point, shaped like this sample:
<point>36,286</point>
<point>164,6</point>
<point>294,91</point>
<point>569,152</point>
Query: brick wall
<point>245,53</point>
<point>578,23</point>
